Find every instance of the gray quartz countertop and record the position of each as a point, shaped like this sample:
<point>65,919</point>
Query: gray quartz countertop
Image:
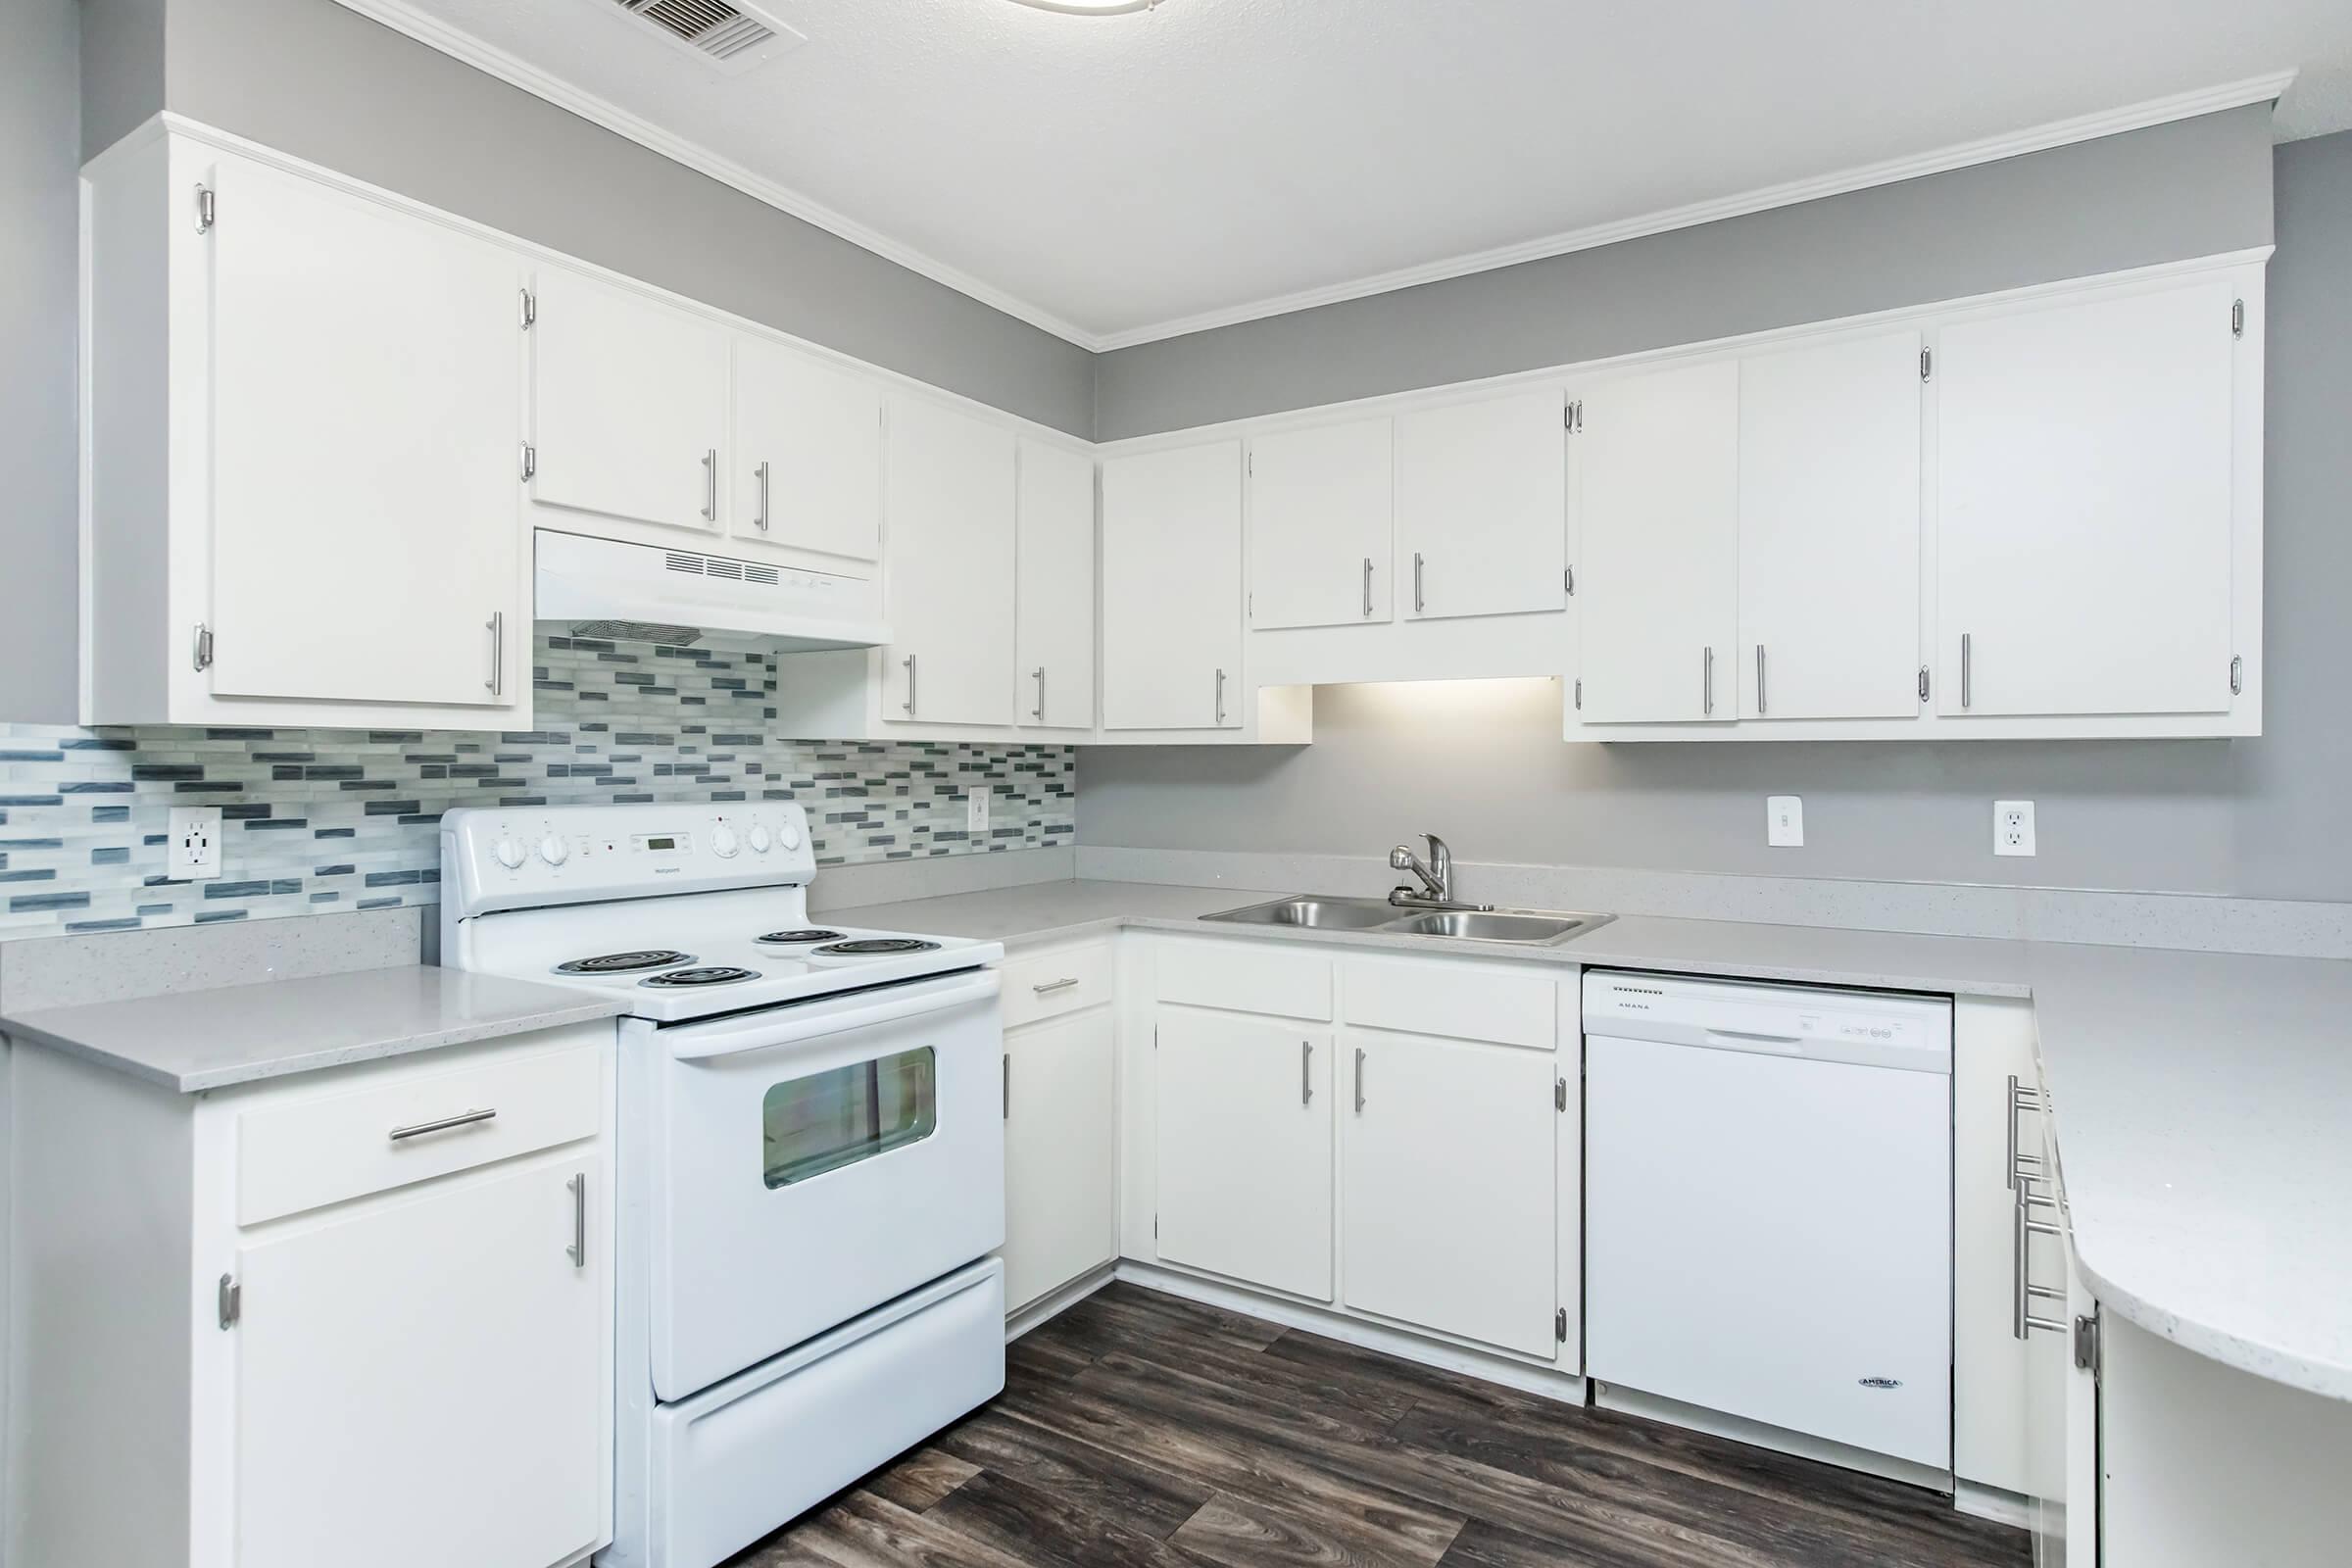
<point>191,1041</point>
<point>2203,1102</point>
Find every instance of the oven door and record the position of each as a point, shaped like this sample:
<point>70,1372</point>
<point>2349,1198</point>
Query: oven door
<point>812,1162</point>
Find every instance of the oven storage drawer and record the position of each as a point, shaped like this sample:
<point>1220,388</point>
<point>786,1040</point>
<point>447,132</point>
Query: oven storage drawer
<point>416,1123</point>
<point>738,1459</point>
<point>1054,983</point>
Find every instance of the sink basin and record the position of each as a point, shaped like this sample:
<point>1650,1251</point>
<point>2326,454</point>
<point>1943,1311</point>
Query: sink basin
<point>1523,927</point>
<point>1496,925</point>
<point>1325,914</point>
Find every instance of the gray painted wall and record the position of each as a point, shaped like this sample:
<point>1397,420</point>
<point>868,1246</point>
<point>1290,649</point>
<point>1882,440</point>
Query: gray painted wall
<point>1483,763</point>
<point>40,109</point>
<point>325,83</point>
<point>2190,188</point>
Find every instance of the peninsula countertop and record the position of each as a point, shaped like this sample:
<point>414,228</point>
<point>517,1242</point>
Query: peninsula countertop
<point>2203,1102</point>
<point>192,1041</point>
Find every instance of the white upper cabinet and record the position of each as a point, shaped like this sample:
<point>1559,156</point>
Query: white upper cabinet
<point>2085,506</point>
<point>1055,596</point>
<point>949,575</point>
<point>1482,507</point>
<point>1829,530</point>
<point>365,391</point>
<point>628,404</point>
<point>1657,459</point>
<point>1172,589</point>
<point>805,468</point>
<point>1320,525</point>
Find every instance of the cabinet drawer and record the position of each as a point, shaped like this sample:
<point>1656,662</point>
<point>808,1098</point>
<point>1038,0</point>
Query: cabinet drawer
<point>1451,1001</point>
<point>298,1157</point>
<point>1242,978</point>
<point>1054,983</point>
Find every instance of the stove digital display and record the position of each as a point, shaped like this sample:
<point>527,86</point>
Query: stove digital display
<point>663,843</point>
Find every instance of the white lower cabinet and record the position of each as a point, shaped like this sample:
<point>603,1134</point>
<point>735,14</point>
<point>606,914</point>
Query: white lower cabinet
<point>489,1419</point>
<point>296,1322</point>
<point>1060,1153</point>
<point>1996,1141</point>
<point>1447,1187</point>
<point>1242,1110</point>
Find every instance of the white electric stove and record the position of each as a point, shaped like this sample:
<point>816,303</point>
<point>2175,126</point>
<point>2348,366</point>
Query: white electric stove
<point>810,1153</point>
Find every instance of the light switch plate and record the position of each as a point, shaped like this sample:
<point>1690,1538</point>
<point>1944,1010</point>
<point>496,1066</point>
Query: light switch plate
<point>975,813</point>
<point>2013,827</point>
<point>192,843</point>
<point>1784,822</point>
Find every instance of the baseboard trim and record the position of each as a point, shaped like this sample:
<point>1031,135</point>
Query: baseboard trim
<point>1054,1303</point>
<point>1566,1386</point>
<point>2002,1507</point>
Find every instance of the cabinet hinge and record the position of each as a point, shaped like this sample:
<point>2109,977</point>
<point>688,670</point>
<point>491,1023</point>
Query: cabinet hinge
<point>1568,581</point>
<point>1249,605</point>
<point>530,463</point>
<point>530,310</point>
<point>1250,465</point>
<point>205,208</point>
<point>1580,694</point>
<point>1575,417</point>
<point>1559,1326</point>
<point>229,1298</point>
<point>1927,364</point>
<point>203,646</point>
<point>2086,1344</point>
<point>1560,1094</point>
<point>2237,317</point>
<point>1923,683</point>
<point>2237,676</point>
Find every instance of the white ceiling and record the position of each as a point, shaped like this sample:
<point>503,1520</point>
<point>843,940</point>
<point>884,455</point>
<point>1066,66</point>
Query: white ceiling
<point>1117,178</point>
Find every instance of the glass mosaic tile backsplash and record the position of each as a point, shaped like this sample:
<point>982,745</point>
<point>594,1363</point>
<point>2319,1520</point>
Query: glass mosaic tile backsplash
<point>317,821</point>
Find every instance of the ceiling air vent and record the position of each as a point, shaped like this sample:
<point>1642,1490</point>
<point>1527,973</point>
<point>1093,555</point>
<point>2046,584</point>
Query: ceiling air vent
<point>732,36</point>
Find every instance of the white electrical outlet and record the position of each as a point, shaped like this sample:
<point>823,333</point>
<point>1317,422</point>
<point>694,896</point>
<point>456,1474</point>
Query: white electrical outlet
<point>2013,827</point>
<point>975,813</point>
<point>1784,822</point>
<point>192,845</point>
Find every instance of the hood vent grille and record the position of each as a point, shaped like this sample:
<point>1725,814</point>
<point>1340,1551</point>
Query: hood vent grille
<point>638,631</point>
<point>719,566</point>
<point>732,36</point>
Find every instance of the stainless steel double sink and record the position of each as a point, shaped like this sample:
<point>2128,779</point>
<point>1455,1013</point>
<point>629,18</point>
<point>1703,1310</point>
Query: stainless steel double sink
<point>1527,928</point>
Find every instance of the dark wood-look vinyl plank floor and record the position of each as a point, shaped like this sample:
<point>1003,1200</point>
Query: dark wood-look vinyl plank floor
<point>1141,1431</point>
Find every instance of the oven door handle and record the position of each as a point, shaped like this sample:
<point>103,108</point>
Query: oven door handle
<point>765,1031</point>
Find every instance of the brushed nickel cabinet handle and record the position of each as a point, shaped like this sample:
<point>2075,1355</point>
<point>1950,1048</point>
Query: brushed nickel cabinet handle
<point>496,626</point>
<point>1967,685</point>
<point>464,1119</point>
<point>710,485</point>
<point>1359,1081</point>
<point>760,521</point>
<point>1220,697</point>
<point>908,661</point>
<point>1039,676</point>
<point>1419,603</point>
<point>1048,987</point>
<point>1707,680</point>
<point>1760,705</point>
<point>577,1252</point>
<point>1307,1081</point>
<point>1367,587</point>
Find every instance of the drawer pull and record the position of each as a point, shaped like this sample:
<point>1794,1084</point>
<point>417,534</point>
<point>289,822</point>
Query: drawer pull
<point>464,1119</point>
<point>1045,986</point>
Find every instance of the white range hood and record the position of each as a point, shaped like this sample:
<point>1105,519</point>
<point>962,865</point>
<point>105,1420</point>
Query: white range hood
<point>649,593</point>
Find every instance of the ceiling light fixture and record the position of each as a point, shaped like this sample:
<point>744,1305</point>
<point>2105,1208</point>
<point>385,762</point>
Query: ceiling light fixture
<point>1089,8</point>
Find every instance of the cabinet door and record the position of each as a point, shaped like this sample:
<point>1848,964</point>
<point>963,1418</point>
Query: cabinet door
<point>1482,508</point>
<point>1055,594</point>
<point>805,470</point>
<point>1829,530</point>
<point>949,583</point>
<point>1658,515</point>
<point>2085,508</point>
<point>427,1380</point>
<point>1320,535</point>
<point>1061,1132</point>
<point>365,544</point>
<point>1994,1137</point>
<point>1172,589</point>
<point>1244,1109</point>
<point>628,404</point>
<point>1449,1204</point>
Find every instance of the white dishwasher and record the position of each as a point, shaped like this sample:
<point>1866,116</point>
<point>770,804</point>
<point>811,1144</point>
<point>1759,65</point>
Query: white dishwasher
<point>1768,1205</point>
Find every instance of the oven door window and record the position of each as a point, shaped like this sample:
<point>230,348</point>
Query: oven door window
<point>812,1125</point>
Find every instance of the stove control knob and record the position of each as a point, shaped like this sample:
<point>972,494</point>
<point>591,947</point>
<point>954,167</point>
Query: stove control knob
<point>554,851</point>
<point>759,839</point>
<point>509,852</point>
<point>723,842</point>
<point>789,833</point>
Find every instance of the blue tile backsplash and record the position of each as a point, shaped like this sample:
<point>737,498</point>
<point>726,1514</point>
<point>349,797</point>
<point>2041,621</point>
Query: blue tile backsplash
<point>317,821</point>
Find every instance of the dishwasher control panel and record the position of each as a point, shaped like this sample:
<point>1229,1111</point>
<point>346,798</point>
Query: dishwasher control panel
<point>1790,1020</point>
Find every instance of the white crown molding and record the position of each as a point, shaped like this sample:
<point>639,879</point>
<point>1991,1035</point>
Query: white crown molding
<point>1992,149</point>
<point>403,16</point>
